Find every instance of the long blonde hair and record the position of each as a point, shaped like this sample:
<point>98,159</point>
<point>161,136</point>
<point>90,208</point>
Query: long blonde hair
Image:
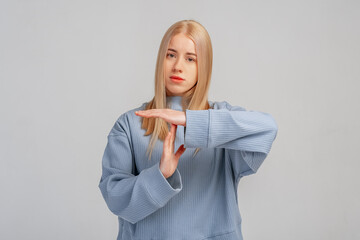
<point>194,99</point>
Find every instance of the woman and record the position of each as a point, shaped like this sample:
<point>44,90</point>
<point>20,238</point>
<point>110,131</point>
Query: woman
<point>158,193</point>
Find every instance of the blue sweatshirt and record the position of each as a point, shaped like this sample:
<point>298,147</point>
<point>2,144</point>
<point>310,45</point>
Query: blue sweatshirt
<point>199,201</point>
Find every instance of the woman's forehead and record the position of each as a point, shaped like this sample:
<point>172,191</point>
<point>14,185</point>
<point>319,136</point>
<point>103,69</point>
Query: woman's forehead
<point>182,43</point>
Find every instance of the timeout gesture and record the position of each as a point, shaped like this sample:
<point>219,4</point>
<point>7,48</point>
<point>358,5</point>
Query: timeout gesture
<point>169,160</point>
<point>169,115</point>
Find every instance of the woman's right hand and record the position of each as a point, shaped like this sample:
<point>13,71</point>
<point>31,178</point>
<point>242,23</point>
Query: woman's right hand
<point>169,160</point>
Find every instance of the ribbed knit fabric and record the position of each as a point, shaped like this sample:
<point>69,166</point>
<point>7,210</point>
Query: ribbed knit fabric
<point>199,201</point>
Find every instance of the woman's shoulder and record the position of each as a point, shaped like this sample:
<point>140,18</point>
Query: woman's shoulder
<point>131,112</point>
<point>128,118</point>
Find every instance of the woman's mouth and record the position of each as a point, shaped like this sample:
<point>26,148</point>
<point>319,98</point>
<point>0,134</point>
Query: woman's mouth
<point>176,78</point>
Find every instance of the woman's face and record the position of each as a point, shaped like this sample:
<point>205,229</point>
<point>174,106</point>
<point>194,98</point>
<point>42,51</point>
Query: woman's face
<point>180,61</point>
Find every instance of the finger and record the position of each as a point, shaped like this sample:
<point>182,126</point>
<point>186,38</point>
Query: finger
<point>141,112</point>
<point>172,137</point>
<point>173,131</point>
<point>172,140</point>
<point>180,151</point>
<point>169,145</point>
<point>147,113</point>
<point>167,141</point>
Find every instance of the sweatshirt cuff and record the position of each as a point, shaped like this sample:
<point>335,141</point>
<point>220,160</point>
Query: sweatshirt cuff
<point>196,131</point>
<point>175,180</point>
<point>161,189</point>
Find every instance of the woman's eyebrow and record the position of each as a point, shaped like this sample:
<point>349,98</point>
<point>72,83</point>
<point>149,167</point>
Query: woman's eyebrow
<point>188,53</point>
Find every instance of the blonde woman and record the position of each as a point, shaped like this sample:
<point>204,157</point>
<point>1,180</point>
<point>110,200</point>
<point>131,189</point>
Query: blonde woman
<point>182,183</point>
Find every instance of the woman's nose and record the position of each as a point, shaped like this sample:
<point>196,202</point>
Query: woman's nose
<point>177,65</point>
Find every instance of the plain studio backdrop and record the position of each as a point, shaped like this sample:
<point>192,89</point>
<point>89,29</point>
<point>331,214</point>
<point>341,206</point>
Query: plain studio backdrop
<point>69,69</point>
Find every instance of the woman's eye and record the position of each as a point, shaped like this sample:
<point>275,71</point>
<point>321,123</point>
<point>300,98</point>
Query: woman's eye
<point>172,56</point>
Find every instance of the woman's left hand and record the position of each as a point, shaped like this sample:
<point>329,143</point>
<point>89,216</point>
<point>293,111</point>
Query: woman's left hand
<point>169,115</point>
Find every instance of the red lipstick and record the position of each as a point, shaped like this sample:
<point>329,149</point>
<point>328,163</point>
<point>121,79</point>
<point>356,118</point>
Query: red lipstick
<point>176,77</point>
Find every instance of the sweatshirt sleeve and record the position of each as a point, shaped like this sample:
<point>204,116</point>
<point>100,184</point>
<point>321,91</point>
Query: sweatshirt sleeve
<point>246,136</point>
<point>132,197</point>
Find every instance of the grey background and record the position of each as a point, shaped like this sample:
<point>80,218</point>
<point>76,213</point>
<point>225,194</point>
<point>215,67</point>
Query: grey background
<point>68,69</point>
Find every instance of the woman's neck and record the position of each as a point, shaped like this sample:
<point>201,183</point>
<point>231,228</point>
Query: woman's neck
<point>174,102</point>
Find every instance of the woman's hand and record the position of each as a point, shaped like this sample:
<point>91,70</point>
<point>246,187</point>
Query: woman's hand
<point>169,115</point>
<point>169,160</point>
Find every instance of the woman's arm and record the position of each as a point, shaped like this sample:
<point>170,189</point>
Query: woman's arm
<point>247,136</point>
<point>132,197</point>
